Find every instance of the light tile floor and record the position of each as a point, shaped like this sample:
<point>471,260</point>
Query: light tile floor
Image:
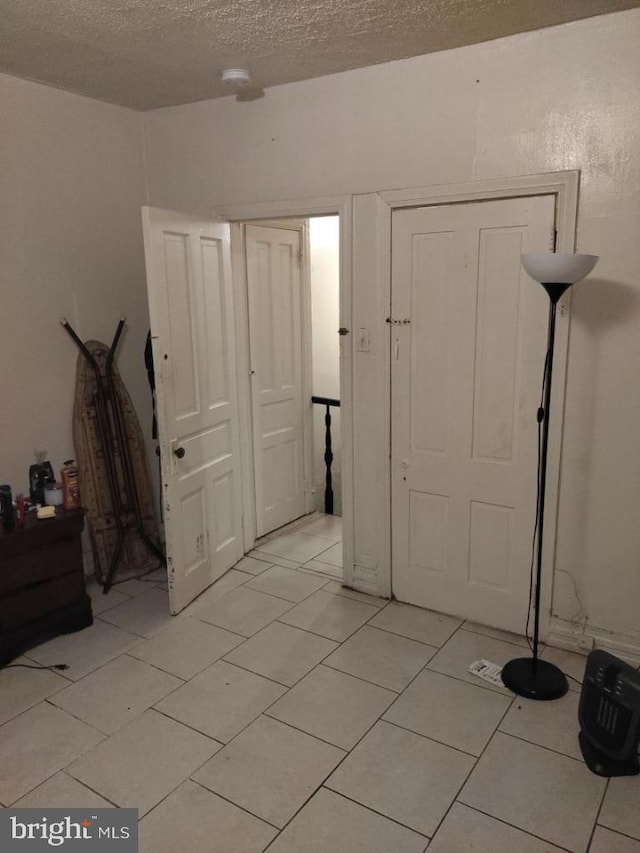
<point>283,712</point>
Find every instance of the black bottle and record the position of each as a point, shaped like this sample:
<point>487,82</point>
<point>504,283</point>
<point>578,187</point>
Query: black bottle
<point>40,474</point>
<point>6,508</point>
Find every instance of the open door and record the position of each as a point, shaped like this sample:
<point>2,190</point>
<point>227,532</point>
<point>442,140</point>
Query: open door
<point>279,393</point>
<point>192,329</point>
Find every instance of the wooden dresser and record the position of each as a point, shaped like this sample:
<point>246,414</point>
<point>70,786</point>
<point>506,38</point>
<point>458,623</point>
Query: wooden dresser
<point>42,587</point>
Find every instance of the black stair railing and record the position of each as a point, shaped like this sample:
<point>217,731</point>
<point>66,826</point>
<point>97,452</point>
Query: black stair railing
<point>328,453</point>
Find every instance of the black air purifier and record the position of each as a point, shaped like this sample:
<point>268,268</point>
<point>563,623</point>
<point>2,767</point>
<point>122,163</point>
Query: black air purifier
<point>609,716</point>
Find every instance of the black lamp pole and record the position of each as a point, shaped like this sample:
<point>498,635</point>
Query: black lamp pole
<point>532,677</point>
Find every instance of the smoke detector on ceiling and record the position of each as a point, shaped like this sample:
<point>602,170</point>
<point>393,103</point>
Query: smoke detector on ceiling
<point>236,77</point>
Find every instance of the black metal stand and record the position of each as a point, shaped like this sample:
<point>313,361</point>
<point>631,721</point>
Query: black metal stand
<point>113,437</point>
<point>532,677</point>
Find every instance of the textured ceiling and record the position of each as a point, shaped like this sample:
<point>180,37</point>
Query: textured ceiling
<point>155,53</point>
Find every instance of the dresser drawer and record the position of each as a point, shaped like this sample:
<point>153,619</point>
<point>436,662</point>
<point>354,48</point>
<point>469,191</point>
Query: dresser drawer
<point>30,602</point>
<point>45,562</point>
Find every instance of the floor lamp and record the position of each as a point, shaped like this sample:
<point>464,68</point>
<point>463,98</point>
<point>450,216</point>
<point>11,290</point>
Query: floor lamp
<point>556,272</point>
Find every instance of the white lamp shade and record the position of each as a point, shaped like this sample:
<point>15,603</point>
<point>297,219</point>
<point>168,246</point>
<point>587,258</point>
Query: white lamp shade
<point>558,267</point>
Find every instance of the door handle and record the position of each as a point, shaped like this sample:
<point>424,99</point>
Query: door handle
<point>179,452</point>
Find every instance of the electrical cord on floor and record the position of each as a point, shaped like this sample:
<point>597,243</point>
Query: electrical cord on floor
<point>58,666</point>
<point>142,576</point>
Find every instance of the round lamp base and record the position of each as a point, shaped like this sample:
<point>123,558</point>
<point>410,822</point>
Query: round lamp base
<point>547,682</point>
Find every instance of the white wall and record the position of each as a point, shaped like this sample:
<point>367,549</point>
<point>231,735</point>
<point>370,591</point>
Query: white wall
<point>71,245</point>
<point>560,98</point>
<point>324,244</point>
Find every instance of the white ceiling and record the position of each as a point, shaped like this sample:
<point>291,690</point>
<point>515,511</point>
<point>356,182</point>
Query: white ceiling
<point>155,53</point>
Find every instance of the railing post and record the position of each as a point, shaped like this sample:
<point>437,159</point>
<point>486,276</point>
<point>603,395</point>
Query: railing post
<point>328,453</point>
<point>328,460</point>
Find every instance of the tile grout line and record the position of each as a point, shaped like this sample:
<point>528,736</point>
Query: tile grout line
<point>257,674</point>
<point>190,727</point>
<point>616,831</point>
<point>247,584</point>
<point>475,765</point>
<point>421,670</point>
<point>600,807</point>
<point>512,826</point>
<point>156,667</point>
<point>323,784</point>
<point>361,678</point>
<point>311,795</point>
<point>214,625</point>
<point>287,688</point>
<point>427,737</point>
<point>381,717</point>
<point>324,636</point>
<point>389,631</point>
<point>380,814</point>
<point>182,781</point>
<point>281,683</point>
<point>540,746</point>
<point>104,734</point>
<point>37,701</point>
<point>479,633</point>
<point>55,773</point>
<point>227,800</point>
<point>363,736</point>
<point>259,591</point>
<point>107,735</point>
<point>535,743</point>
<point>64,767</point>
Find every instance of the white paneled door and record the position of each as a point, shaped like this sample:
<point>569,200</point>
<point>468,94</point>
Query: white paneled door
<point>192,327</point>
<point>277,354</point>
<point>466,380</point>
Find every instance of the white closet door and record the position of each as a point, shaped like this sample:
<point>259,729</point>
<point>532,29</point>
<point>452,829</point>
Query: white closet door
<point>466,377</point>
<point>275,331</point>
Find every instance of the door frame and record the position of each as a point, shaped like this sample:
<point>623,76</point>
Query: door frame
<point>372,214</point>
<point>237,215</point>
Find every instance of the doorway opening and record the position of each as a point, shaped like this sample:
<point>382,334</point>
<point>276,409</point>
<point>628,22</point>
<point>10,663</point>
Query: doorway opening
<point>292,272</point>
<point>231,333</point>
<point>324,256</point>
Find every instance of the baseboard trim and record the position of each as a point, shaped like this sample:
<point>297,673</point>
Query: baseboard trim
<point>575,637</point>
<point>366,580</point>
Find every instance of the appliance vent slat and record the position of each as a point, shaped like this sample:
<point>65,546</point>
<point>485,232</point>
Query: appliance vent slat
<point>609,715</point>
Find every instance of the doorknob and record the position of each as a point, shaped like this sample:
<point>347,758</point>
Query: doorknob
<point>179,452</point>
